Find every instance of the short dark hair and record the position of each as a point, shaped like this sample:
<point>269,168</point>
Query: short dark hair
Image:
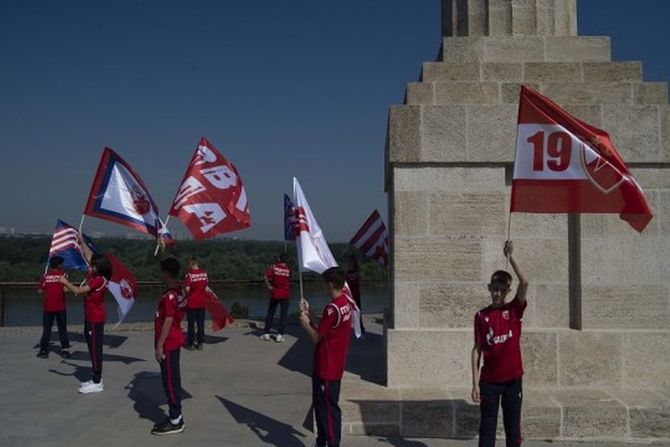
<point>56,262</point>
<point>102,265</point>
<point>192,258</point>
<point>283,256</point>
<point>171,267</point>
<point>334,276</point>
<point>501,277</point>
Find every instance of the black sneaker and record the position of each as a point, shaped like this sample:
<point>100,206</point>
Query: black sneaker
<point>168,428</point>
<point>66,354</point>
<point>190,347</point>
<point>200,347</point>
<point>43,354</point>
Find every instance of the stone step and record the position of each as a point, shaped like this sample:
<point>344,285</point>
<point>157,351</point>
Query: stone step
<point>532,71</point>
<point>493,92</point>
<point>526,49</point>
<point>552,414</point>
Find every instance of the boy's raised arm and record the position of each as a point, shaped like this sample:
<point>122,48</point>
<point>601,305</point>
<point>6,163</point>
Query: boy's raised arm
<point>522,289</point>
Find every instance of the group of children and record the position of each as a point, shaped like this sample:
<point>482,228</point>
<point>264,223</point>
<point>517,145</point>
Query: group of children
<point>497,381</point>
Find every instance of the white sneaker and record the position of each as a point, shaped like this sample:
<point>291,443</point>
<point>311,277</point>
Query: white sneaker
<point>85,384</point>
<point>92,388</point>
<point>265,337</point>
<point>279,338</point>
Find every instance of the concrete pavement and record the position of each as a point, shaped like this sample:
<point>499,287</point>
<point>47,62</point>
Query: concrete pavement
<point>239,391</point>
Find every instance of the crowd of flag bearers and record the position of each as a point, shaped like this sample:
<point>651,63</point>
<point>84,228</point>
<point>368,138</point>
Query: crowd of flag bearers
<point>558,158</point>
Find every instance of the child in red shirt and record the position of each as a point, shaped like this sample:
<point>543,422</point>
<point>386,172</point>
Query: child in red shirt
<point>94,312</point>
<point>168,339</point>
<point>54,308</point>
<point>196,285</point>
<point>497,340</point>
<point>278,281</point>
<point>354,281</point>
<point>331,338</point>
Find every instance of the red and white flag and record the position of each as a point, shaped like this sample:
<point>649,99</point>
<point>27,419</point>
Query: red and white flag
<point>220,315</point>
<point>313,251</point>
<point>119,195</point>
<point>372,239</point>
<point>122,286</point>
<point>564,165</point>
<point>211,198</point>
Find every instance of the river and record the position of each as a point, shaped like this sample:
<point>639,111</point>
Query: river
<point>24,306</point>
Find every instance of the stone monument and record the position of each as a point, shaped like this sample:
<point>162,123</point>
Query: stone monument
<point>596,340</point>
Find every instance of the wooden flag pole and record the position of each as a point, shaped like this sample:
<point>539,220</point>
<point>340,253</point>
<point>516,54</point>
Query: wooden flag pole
<point>509,236</point>
<point>81,222</point>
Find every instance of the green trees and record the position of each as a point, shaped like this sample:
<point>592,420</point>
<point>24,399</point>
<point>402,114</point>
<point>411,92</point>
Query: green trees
<point>24,258</point>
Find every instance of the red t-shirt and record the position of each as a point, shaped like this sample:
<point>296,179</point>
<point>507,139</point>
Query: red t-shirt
<point>498,333</point>
<point>171,304</point>
<point>196,280</point>
<point>354,281</point>
<point>94,301</point>
<point>279,276</point>
<point>52,288</point>
<point>330,354</point>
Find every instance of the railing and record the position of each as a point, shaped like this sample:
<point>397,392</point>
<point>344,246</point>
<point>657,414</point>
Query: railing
<point>4,286</point>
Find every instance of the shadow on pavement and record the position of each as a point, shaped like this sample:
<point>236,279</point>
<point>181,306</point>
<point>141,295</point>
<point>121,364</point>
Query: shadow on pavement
<point>81,373</point>
<point>402,442</point>
<point>83,355</point>
<point>109,340</point>
<point>268,430</point>
<point>214,339</point>
<point>146,391</point>
<point>365,358</point>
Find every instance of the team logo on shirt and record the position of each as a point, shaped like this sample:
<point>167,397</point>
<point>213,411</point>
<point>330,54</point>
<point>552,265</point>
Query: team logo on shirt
<point>505,314</point>
<point>492,339</point>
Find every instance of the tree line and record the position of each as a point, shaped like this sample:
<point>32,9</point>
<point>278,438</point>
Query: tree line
<point>24,258</point>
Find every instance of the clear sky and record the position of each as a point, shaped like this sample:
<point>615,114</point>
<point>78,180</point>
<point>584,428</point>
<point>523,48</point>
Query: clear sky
<point>282,88</point>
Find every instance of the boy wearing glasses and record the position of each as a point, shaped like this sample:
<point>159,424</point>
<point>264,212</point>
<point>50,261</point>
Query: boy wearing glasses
<point>497,339</point>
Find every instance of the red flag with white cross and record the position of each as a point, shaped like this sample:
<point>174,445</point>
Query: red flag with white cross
<point>564,165</point>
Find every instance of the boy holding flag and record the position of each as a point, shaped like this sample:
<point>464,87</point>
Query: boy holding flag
<point>54,307</point>
<point>331,337</point>
<point>94,311</point>
<point>497,340</point>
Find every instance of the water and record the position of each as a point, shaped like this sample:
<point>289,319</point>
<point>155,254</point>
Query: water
<point>24,306</point>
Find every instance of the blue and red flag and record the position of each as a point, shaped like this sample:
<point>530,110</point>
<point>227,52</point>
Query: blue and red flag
<point>119,195</point>
<point>289,219</point>
<point>65,243</point>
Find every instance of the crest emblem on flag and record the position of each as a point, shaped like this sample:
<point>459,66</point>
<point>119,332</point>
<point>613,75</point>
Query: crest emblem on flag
<point>564,165</point>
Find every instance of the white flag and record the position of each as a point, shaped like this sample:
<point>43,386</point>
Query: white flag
<point>313,251</point>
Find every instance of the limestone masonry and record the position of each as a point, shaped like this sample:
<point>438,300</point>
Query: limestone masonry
<point>597,331</point>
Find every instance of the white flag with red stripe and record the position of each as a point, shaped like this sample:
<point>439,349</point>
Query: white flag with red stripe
<point>372,239</point>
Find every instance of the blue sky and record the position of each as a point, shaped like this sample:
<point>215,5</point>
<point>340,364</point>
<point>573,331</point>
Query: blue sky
<point>282,88</point>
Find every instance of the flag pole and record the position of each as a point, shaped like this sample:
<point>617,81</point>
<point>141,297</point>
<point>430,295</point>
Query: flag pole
<point>158,245</point>
<point>509,235</point>
<point>81,222</point>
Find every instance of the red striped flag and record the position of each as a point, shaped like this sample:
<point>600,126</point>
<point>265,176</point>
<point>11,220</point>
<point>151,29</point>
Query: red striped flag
<point>373,239</point>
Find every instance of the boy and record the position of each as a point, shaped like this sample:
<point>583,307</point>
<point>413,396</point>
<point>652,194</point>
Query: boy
<point>278,281</point>
<point>54,307</point>
<point>331,338</point>
<point>196,284</point>
<point>168,339</point>
<point>353,278</point>
<point>497,338</point>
